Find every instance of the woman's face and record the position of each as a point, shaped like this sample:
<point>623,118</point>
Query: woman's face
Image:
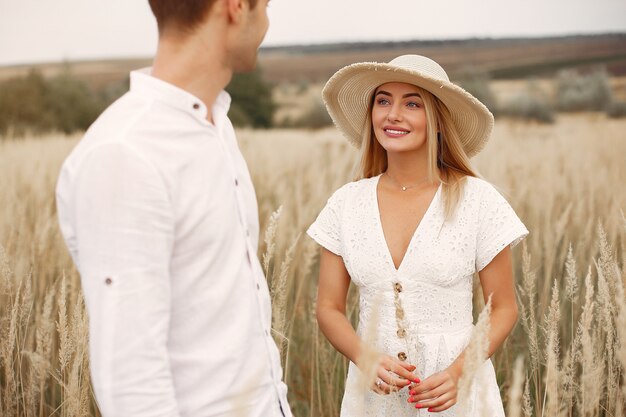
<point>399,118</point>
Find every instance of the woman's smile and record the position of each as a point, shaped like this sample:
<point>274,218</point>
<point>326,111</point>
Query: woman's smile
<point>395,132</point>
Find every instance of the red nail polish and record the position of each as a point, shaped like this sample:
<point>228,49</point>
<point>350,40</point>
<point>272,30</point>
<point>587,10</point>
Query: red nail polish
<point>416,380</point>
<point>430,410</point>
<point>411,392</point>
<point>418,405</point>
<point>410,400</point>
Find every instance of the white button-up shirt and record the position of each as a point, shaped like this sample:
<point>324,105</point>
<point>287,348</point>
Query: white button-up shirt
<point>159,214</point>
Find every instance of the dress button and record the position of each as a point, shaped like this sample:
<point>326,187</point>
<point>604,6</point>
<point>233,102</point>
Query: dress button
<point>397,287</point>
<point>402,356</point>
<point>258,287</point>
<point>401,333</point>
<point>108,281</point>
<point>196,106</point>
<point>236,182</point>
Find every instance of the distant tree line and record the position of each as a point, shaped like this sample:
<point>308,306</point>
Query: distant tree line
<point>573,92</point>
<point>253,104</point>
<point>36,104</point>
<point>64,103</point>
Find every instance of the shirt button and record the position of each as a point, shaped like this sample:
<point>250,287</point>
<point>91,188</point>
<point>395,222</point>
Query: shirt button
<point>402,356</point>
<point>258,287</point>
<point>108,281</point>
<point>401,333</point>
<point>236,182</point>
<point>196,106</point>
<point>397,287</point>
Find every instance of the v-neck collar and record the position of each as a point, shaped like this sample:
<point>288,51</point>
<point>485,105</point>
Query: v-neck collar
<point>381,231</point>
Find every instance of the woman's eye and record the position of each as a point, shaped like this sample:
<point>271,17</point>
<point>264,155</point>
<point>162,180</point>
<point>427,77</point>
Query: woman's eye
<point>382,101</point>
<point>413,104</point>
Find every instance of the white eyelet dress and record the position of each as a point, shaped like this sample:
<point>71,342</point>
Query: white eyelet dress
<point>423,309</point>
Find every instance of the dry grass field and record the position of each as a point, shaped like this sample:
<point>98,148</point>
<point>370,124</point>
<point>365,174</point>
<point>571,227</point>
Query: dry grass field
<point>566,181</point>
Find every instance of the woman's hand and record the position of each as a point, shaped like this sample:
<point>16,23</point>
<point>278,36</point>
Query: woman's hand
<point>393,375</point>
<point>438,392</point>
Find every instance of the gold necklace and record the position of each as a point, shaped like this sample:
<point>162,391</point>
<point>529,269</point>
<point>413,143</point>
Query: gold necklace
<point>405,187</point>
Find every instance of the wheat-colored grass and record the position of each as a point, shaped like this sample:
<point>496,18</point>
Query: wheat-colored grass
<point>475,356</point>
<point>515,393</point>
<point>564,180</point>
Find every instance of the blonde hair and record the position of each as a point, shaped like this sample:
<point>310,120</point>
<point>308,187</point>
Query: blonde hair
<point>447,161</point>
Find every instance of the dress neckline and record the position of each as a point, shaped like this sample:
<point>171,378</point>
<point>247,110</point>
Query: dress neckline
<point>416,232</point>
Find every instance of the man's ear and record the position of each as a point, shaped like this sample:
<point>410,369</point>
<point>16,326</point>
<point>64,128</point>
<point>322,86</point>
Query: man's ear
<point>235,9</point>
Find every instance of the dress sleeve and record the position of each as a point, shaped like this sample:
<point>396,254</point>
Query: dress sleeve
<point>326,229</point>
<point>498,227</point>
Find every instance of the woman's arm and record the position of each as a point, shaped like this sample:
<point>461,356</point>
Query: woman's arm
<point>439,391</point>
<point>334,282</point>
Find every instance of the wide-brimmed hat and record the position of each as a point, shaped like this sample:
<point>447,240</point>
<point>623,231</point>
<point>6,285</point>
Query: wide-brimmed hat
<point>348,93</point>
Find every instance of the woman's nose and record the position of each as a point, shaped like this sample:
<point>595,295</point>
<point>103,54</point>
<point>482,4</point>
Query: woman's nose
<point>394,113</point>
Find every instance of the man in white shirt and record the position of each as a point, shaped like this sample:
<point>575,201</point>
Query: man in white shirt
<point>159,214</point>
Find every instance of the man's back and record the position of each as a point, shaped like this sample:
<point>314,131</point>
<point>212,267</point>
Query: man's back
<point>159,213</point>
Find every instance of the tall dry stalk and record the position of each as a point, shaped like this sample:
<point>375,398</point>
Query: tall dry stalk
<point>591,363</point>
<point>529,322</point>
<point>516,390</point>
<point>269,239</point>
<point>475,357</point>
<point>551,330</point>
<point>368,361</point>
<point>569,370</point>
<point>279,292</point>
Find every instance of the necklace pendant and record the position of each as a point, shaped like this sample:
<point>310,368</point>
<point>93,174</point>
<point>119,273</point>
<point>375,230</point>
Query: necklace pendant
<point>403,188</point>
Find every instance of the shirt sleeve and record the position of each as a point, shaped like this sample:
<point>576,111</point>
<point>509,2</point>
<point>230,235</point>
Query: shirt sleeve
<point>326,229</point>
<point>498,227</point>
<point>124,238</point>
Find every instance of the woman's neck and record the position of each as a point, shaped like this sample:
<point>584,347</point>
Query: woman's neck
<point>407,167</point>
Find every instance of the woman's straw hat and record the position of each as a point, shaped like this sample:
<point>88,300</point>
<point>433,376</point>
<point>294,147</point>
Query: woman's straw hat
<point>348,93</point>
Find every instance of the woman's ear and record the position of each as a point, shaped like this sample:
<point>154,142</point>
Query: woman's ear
<point>235,9</point>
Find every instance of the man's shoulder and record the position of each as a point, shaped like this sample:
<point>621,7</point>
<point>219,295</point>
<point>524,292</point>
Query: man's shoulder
<point>121,129</point>
<point>108,128</point>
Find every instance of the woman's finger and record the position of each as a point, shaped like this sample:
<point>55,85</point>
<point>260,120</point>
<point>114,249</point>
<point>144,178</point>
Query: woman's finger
<point>407,365</point>
<point>429,383</point>
<point>391,379</point>
<point>381,387</point>
<point>443,407</point>
<point>399,369</point>
<point>434,403</point>
<point>428,395</point>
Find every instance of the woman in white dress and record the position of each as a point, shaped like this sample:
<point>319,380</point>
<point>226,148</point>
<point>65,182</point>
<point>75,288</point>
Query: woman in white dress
<point>410,234</point>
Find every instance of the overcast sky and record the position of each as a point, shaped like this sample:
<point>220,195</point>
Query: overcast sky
<point>55,30</point>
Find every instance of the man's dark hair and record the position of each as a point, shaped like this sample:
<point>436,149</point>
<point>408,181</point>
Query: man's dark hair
<point>182,14</point>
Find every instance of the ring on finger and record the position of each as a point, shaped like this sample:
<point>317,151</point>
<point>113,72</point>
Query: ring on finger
<point>379,383</point>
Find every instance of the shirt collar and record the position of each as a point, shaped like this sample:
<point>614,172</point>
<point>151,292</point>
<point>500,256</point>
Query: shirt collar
<point>143,83</point>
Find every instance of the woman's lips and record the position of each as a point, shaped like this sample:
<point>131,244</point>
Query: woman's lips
<point>395,133</point>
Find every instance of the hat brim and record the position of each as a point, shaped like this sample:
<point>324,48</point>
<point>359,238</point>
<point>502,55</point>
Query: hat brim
<point>348,92</point>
